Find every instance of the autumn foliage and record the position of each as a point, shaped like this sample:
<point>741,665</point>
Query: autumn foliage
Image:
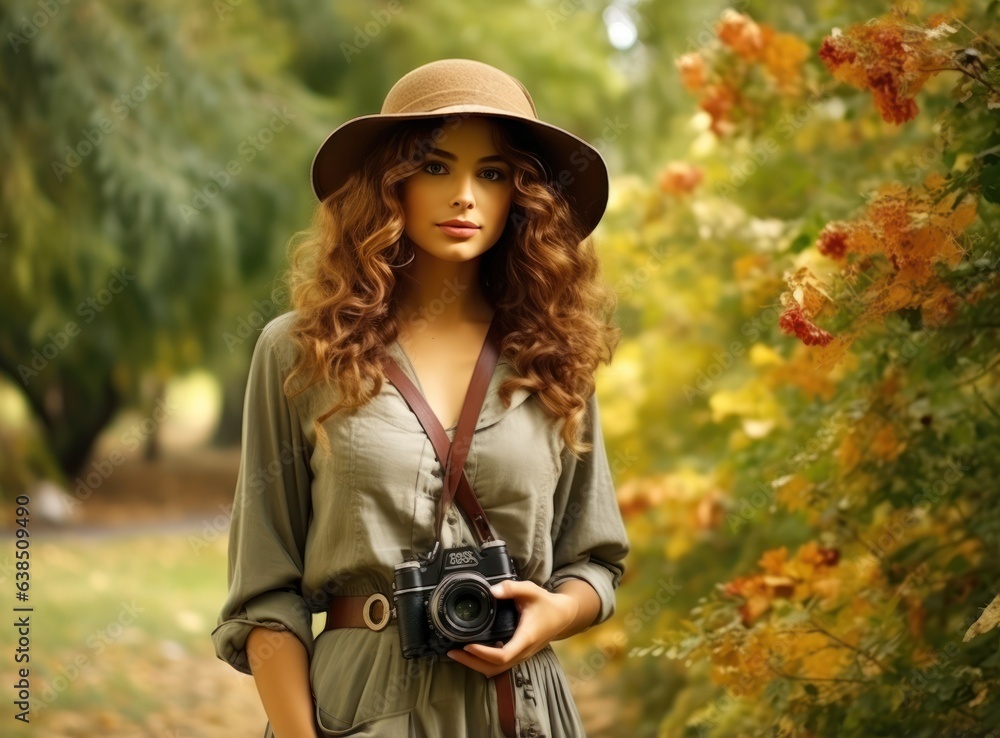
<point>844,543</point>
<point>890,57</point>
<point>750,61</point>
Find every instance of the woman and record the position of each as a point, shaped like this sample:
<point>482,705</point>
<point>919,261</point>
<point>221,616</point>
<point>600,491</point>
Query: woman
<point>452,211</point>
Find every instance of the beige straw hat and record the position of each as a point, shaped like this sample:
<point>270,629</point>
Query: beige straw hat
<point>457,87</point>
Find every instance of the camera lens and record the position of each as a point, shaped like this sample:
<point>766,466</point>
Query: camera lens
<point>461,607</point>
<point>466,607</point>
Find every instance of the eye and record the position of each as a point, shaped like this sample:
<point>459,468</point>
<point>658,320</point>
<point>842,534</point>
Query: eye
<point>498,172</point>
<point>430,164</point>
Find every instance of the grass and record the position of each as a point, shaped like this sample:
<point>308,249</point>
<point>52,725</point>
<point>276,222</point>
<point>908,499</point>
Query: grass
<point>119,623</point>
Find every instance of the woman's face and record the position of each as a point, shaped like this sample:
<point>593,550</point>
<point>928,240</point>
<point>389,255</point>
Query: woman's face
<point>464,179</point>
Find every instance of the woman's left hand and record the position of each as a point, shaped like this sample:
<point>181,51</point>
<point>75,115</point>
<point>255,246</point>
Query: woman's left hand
<point>543,616</point>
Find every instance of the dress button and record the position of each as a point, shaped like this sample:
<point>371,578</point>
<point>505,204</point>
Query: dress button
<point>437,473</point>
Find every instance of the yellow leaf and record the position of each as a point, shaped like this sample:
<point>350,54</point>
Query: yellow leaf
<point>677,546</point>
<point>773,561</point>
<point>848,454</point>
<point>793,493</point>
<point>763,355</point>
<point>885,445</point>
<point>757,428</point>
<point>986,622</point>
<point>754,400</point>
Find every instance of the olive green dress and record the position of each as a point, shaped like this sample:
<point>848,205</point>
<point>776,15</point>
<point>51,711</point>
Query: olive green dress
<point>305,526</point>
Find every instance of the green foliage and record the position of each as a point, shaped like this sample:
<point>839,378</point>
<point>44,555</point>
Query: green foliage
<point>144,180</point>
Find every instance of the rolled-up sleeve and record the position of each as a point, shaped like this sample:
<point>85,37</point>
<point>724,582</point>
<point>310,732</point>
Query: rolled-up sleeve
<point>270,515</point>
<point>589,538</point>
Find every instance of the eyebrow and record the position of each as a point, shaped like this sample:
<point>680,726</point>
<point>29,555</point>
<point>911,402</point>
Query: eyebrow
<point>449,155</point>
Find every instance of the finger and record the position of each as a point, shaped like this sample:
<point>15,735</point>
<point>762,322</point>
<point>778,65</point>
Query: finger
<point>516,647</point>
<point>509,588</point>
<point>476,664</point>
<point>479,649</point>
<point>475,649</point>
<point>506,653</point>
<point>466,659</point>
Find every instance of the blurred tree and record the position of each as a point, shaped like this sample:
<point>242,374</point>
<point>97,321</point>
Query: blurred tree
<point>156,163</point>
<point>147,152</point>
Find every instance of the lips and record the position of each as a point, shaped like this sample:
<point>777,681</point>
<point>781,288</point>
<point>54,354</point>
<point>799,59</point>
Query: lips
<point>459,228</point>
<point>459,224</point>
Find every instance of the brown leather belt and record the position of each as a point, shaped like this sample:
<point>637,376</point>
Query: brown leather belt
<point>373,612</point>
<point>364,611</point>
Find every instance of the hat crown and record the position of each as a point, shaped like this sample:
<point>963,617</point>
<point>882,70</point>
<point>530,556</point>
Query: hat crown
<point>447,83</point>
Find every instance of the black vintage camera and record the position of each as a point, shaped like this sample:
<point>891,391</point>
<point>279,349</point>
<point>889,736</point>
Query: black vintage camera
<point>445,602</point>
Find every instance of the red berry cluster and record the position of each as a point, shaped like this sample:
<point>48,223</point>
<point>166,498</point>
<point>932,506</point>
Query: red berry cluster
<point>793,322</point>
<point>832,241</point>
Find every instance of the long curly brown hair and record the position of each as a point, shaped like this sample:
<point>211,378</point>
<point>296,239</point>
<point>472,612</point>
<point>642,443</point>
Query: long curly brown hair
<point>542,276</point>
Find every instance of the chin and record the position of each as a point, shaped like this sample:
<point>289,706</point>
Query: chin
<point>458,251</point>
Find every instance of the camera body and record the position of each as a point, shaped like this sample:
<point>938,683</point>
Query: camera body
<point>446,602</point>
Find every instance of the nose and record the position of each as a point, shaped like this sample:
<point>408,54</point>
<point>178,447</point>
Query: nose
<point>464,197</point>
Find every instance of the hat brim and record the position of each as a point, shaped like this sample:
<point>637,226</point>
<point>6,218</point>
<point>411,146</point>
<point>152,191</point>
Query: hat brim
<point>577,168</point>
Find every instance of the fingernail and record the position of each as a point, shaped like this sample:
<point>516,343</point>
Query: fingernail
<point>496,589</point>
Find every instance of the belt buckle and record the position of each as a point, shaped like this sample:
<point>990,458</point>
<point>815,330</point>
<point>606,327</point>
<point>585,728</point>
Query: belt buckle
<point>366,612</point>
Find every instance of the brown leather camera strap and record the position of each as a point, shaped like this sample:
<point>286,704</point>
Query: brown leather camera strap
<point>506,702</point>
<point>450,454</point>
